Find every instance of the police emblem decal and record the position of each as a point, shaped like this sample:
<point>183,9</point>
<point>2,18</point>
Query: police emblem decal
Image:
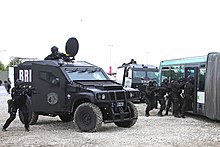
<point>52,98</point>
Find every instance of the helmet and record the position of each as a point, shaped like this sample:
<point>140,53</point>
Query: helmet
<point>18,83</point>
<point>165,81</point>
<point>150,83</point>
<point>54,49</point>
<point>155,83</point>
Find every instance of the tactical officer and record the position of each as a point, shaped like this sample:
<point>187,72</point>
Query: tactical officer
<point>150,97</point>
<point>177,99</point>
<point>188,94</point>
<point>169,98</point>
<point>163,90</point>
<point>18,102</point>
<point>160,92</point>
<point>55,55</point>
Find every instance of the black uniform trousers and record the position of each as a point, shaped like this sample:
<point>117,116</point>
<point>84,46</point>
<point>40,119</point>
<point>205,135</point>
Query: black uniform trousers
<point>177,103</point>
<point>162,103</point>
<point>151,104</point>
<point>169,102</point>
<point>13,112</point>
<point>186,102</point>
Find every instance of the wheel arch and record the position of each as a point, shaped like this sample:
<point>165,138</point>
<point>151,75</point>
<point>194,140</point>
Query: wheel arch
<point>79,101</point>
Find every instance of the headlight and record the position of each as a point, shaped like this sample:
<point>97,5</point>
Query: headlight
<point>134,94</point>
<point>101,96</point>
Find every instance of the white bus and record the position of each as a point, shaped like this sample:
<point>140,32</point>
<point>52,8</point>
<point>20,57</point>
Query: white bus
<point>206,71</point>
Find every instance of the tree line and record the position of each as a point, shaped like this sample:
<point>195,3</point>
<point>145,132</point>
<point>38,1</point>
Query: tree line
<point>15,61</point>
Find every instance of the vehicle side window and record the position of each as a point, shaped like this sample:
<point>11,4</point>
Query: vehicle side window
<point>47,76</point>
<point>177,72</point>
<point>165,73</point>
<point>202,73</point>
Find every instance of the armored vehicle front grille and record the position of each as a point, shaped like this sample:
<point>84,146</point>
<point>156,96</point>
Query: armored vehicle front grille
<point>117,95</point>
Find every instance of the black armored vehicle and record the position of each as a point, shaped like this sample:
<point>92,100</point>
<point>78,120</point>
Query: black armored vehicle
<point>77,91</point>
<point>136,76</point>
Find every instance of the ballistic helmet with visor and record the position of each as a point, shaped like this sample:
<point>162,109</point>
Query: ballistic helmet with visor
<point>54,49</point>
<point>19,83</point>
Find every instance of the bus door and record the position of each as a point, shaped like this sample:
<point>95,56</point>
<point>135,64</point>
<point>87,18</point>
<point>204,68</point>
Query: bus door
<point>192,71</point>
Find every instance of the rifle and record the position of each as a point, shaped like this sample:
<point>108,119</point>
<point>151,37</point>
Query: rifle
<point>25,91</point>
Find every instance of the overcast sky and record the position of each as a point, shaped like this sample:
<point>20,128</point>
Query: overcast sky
<point>147,31</point>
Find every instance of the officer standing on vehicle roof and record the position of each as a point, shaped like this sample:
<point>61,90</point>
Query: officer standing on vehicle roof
<point>55,55</point>
<point>19,96</point>
<point>188,95</point>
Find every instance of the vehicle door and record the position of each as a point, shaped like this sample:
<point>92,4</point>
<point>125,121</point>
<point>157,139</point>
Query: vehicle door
<point>49,95</point>
<point>192,71</point>
<point>128,78</point>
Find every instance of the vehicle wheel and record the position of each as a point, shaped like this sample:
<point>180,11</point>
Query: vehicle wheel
<point>129,123</point>
<point>34,118</point>
<point>66,117</point>
<point>88,117</point>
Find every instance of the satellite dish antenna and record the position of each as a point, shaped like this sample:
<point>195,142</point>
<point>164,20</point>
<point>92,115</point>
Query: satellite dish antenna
<point>72,47</point>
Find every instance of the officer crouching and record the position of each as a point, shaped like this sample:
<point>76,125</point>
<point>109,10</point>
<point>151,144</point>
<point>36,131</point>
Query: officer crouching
<point>19,96</point>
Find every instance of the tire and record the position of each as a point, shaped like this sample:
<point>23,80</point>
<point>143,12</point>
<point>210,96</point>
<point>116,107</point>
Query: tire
<point>66,117</point>
<point>129,123</point>
<point>34,118</point>
<point>88,117</point>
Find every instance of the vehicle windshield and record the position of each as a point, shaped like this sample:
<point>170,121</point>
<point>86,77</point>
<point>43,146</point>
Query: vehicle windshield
<point>86,75</point>
<point>148,75</point>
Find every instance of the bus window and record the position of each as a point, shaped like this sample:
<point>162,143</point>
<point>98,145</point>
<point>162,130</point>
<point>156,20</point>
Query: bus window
<point>165,73</point>
<point>202,73</point>
<point>177,72</point>
<point>189,71</point>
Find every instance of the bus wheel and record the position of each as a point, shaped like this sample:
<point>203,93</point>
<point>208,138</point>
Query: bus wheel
<point>88,117</point>
<point>66,117</point>
<point>134,114</point>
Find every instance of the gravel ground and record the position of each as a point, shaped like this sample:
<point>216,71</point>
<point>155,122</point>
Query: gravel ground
<point>148,131</point>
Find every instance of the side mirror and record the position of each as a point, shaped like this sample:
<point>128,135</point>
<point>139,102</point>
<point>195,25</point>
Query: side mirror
<point>56,81</point>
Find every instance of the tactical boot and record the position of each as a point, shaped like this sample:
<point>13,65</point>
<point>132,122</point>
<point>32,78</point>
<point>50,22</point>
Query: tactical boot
<point>183,116</point>
<point>3,129</point>
<point>159,113</point>
<point>177,116</point>
<point>147,114</point>
<point>27,129</point>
